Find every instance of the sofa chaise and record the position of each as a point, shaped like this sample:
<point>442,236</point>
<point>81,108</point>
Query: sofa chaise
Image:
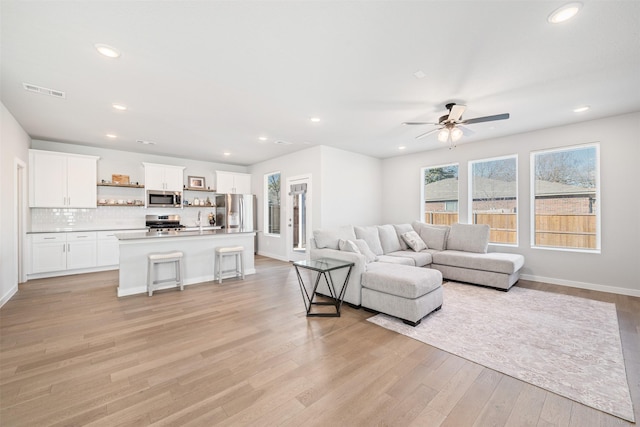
<point>459,252</point>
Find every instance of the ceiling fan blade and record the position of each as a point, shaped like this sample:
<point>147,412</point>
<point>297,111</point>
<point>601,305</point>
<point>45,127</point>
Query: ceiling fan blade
<point>418,123</point>
<point>427,133</point>
<point>456,112</point>
<point>486,119</point>
<point>465,130</point>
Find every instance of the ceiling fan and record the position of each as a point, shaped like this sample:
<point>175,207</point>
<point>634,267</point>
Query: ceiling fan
<point>451,125</point>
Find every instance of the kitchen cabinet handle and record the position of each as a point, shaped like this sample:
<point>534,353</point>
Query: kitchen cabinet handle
<point>68,247</point>
<point>49,238</point>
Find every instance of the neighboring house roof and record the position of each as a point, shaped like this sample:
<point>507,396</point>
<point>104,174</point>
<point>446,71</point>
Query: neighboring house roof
<point>487,188</point>
<point>446,189</point>
<point>547,189</point>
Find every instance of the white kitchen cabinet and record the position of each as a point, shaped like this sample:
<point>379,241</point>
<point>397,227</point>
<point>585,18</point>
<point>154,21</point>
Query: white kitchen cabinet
<point>107,248</point>
<point>62,251</point>
<point>61,180</point>
<point>48,252</point>
<point>81,250</point>
<point>163,177</point>
<point>233,182</point>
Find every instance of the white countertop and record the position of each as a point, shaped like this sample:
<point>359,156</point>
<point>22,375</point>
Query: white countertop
<point>74,229</point>
<point>182,233</point>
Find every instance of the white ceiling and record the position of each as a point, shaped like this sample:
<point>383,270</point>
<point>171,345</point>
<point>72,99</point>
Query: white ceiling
<point>200,78</point>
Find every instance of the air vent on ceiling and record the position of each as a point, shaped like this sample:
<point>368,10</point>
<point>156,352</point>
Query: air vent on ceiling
<point>44,90</point>
<point>279,142</point>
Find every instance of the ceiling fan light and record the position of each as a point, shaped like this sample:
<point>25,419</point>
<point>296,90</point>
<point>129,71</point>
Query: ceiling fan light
<point>564,13</point>
<point>456,134</point>
<point>443,135</point>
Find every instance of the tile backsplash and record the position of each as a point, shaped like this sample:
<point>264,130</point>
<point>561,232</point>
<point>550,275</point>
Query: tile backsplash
<point>106,217</point>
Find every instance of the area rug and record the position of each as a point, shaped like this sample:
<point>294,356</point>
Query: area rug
<point>564,344</point>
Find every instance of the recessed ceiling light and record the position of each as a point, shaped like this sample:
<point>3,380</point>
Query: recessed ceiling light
<point>111,135</point>
<point>581,109</point>
<point>402,147</point>
<point>564,13</point>
<point>226,153</point>
<point>107,50</point>
<point>142,141</point>
<point>419,74</point>
<point>262,138</point>
<point>315,119</point>
<point>119,107</point>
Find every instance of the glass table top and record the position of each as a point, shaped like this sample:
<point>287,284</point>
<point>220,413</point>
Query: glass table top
<point>323,264</point>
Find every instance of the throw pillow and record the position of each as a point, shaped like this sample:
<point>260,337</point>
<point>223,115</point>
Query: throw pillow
<point>365,250</point>
<point>414,241</point>
<point>469,238</point>
<point>348,246</point>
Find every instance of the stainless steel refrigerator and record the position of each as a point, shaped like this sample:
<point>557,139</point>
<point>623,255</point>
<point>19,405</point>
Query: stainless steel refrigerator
<point>236,212</point>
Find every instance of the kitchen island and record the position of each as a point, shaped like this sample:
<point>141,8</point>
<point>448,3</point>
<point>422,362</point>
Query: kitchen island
<point>198,248</point>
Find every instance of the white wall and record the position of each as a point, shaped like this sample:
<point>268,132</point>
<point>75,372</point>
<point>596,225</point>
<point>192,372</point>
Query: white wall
<point>351,186</point>
<point>128,163</point>
<point>14,145</point>
<point>345,190</point>
<point>617,267</point>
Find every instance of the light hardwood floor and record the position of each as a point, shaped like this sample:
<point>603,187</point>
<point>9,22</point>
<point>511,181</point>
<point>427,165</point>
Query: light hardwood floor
<point>244,353</point>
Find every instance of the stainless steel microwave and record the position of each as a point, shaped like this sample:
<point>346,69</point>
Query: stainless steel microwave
<point>164,199</point>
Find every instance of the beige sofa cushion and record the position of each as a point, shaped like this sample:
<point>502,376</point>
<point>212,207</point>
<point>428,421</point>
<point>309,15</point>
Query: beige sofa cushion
<point>400,230</point>
<point>330,238</point>
<point>370,235</point>
<point>495,261</point>
<point>435,236</point>
<point>389,238</point>
<point>401,280</point>
<point>420,259</point>
<point>469,238</point>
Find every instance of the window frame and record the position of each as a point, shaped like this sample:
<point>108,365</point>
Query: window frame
<point>422,188</point>
<point>470,164</point>
<point>266,210</point>
<point>532,214</point>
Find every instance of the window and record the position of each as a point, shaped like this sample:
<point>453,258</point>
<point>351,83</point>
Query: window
<point>566,189</point>
<point>494,197</point>
<point>440,194</point>
<point>272,203</point>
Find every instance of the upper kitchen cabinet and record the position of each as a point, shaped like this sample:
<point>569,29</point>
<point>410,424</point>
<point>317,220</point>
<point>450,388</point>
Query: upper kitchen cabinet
<point>233,182</point>
<point>62,180</point>
<point>163,177</point>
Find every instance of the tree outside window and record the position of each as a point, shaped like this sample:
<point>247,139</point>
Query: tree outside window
<point>494,197</point>
<point>565,185</point>
<point>272,188</point>
<point>441,194</point>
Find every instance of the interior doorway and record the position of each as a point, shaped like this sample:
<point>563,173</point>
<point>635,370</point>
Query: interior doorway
<point>298,216</point>
<point>20,218</point>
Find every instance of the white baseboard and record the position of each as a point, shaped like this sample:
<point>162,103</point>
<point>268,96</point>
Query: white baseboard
<point>274,256</point>
<point>187,282</point>
<point>6,297</point>
<point>583,285</point>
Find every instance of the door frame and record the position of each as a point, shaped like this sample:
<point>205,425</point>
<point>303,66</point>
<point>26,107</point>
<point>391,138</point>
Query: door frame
<point>20,220</point>
<point>298,179</point>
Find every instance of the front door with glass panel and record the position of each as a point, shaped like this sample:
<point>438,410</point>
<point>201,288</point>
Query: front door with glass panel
<point>298,216</point>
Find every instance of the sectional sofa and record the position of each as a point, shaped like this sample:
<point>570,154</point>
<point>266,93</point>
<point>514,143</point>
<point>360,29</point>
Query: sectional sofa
<point>459,252</point>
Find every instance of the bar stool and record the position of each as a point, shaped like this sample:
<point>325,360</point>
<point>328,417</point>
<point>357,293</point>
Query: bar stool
<point>237,252</point>
<point>161,258</point>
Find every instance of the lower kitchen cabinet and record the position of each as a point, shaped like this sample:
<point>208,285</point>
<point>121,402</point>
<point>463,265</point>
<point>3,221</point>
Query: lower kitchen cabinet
<point>52,252</point>
<point>48,252</point>
<point>81,250</point>
<point>107,247</point>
